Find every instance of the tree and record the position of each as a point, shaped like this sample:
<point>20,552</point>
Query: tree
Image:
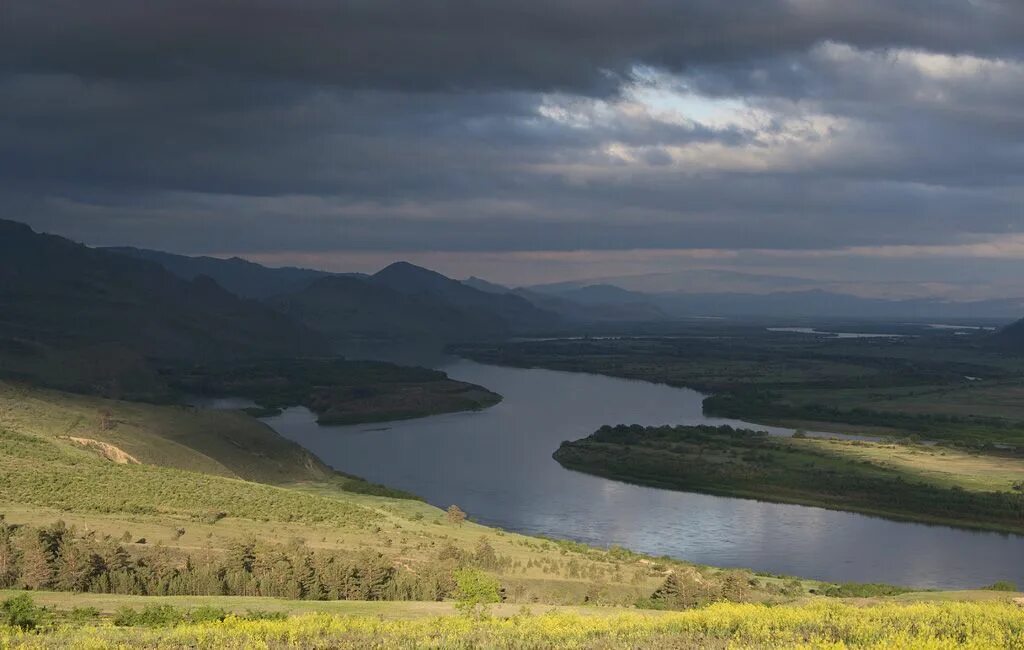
<point>475,591</point>
<point>36,572</point>
<point>681,592</point>
<point>484,556</point>
<point>456,515</point>
<point>76,565</point>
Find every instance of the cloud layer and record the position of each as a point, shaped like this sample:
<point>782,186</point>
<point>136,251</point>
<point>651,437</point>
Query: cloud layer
<point>308,127</point>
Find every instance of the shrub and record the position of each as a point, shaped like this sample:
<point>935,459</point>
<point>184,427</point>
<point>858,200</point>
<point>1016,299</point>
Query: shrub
<point>206,614</point>
<point>1001,585</point>
<point>21,612</point>
<point>862,590</point>
<point>83,614</point>
<point>475,591</point>
<point>150,616</point>
<point>264,615</point>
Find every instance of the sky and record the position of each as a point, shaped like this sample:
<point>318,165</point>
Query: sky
<point>872,145</point>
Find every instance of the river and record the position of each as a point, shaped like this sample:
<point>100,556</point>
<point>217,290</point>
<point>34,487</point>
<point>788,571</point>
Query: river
<point>496,465</point>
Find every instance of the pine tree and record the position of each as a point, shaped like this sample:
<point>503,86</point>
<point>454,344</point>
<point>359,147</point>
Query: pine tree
<point>36,570</point>
<point>484,556</point>
<point>75,565</point>
<point>670,590</point>
<point>309,579</point>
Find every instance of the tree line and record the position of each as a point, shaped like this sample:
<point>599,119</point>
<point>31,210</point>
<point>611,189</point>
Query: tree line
<point>58,557</point>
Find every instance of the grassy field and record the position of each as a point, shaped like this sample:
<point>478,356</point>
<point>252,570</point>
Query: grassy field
<point>727,625</point>
<point>917,482</point>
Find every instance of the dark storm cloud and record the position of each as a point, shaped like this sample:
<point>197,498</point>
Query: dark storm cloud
<point>470,44</point>
<point>309,125</point>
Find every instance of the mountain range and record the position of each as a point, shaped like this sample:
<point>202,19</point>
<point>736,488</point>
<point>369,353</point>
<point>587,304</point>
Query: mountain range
<point>91,314</point>
<point>60,296</point>
<point>400,302</point>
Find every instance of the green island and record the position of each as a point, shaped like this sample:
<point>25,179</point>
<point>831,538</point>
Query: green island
<point>339,391</point>
<point>908,481</point>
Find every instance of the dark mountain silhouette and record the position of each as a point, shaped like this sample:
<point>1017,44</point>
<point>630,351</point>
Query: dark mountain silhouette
<point>355,308</point>
<point>65,296</point>
<point>517,313</point>
<point>239,276</point>
<point>402,302</point>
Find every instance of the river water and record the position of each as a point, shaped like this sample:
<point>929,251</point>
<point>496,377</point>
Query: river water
<point>496,465</point>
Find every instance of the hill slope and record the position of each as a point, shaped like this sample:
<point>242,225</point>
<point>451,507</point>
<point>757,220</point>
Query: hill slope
<point>60,294</point>
<point>345,308</point>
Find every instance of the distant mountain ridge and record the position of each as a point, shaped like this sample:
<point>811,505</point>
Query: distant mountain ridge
<point>809,303</point>
<point>704,281</point>
<point>239,276</point>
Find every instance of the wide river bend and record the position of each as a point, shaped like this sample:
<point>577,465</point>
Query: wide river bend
<point>496,465</point>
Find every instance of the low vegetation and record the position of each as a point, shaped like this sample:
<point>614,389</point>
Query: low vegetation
<point>726,625</point>
<point>914,482</point>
